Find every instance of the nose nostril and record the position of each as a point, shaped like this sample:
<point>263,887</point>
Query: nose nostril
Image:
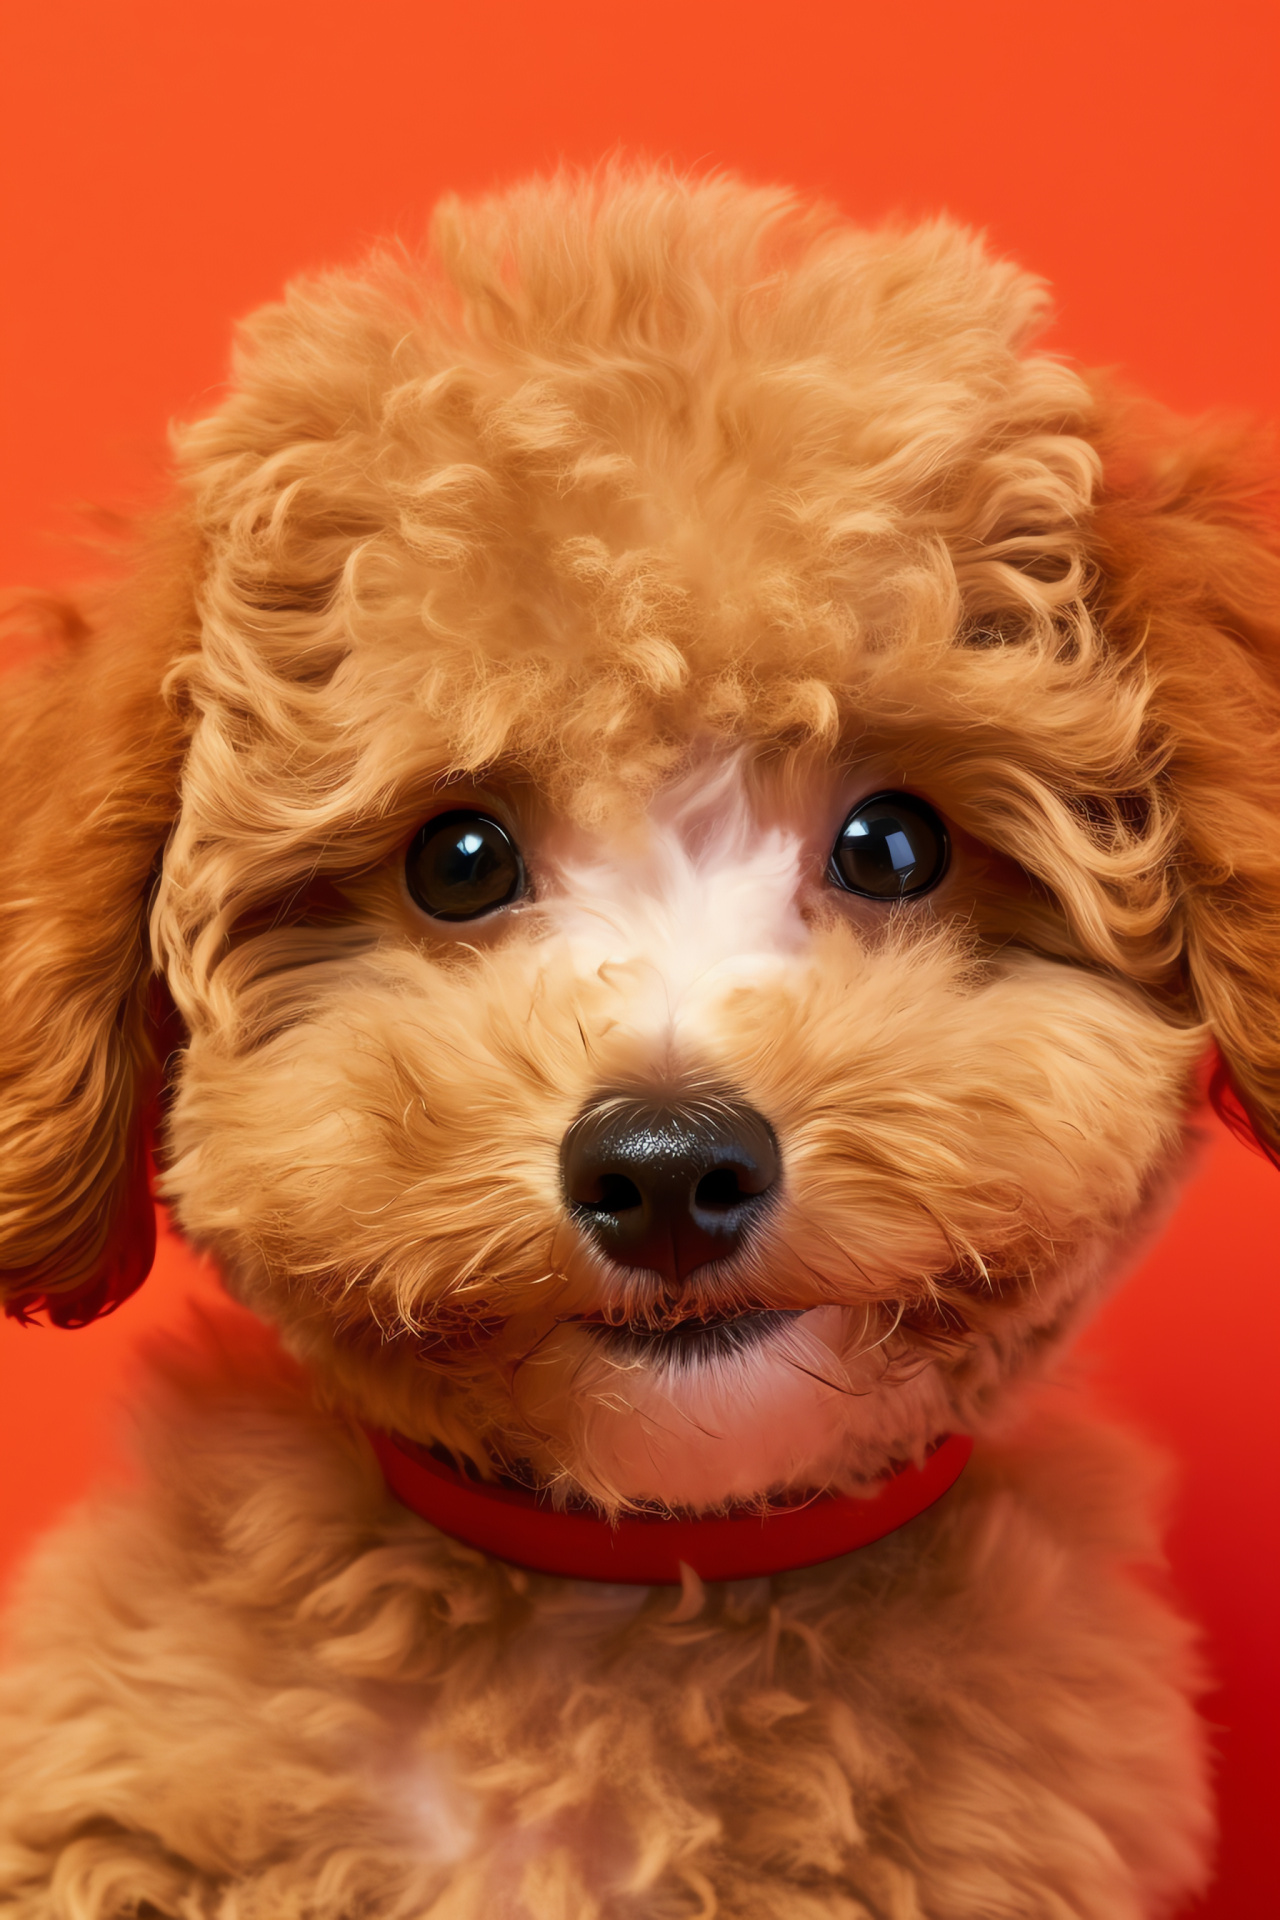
<point>720,1190</point>
<point>610,1193</point>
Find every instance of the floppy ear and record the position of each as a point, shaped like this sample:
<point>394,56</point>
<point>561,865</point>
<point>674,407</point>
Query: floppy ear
<point>89,758</point>
<point>1188,547</point>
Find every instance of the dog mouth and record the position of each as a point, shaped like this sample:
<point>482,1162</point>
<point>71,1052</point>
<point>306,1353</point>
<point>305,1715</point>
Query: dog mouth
<point>691,1341</point>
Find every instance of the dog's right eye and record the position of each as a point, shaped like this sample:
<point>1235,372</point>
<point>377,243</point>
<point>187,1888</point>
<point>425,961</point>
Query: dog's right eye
<point>891,847</point>
<point>462,865</point>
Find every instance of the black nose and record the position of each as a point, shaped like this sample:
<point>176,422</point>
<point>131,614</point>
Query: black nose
<point>669,1185</point>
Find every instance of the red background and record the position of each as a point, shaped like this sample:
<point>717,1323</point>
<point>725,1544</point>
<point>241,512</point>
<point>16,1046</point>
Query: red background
<point>167,166</point>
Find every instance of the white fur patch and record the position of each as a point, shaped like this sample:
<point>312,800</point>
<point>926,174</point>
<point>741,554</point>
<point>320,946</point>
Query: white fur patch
<point>442,1818</point>
<point>705,900</point>
<point>790,1411</point>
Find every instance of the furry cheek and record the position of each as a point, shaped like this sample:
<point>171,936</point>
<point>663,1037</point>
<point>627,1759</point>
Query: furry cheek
<point>942,1112</point>
<point>391,1147</point>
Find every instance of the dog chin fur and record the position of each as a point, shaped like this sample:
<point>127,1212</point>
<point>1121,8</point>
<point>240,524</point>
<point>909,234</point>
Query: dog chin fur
<point>663,522</point>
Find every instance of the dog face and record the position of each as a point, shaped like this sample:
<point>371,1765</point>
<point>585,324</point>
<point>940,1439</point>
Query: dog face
<point>708,799</point>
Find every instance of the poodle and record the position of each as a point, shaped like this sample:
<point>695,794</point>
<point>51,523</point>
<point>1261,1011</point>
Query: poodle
<point>651,854</point>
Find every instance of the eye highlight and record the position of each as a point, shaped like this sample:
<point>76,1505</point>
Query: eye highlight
<point>462,865</point>
<point>892,847</point>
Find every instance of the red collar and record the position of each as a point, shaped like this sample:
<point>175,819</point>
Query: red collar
<point>643,1550</point>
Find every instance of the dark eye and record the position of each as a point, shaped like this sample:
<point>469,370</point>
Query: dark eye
<point>462,865</point>
<point>891,847</point>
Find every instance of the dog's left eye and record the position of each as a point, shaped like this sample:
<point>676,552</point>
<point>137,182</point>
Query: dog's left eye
<point>462,865</point>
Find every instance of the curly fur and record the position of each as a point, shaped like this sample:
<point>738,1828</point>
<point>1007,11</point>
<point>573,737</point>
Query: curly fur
<point>664,520</point>
<point>326,1708</point>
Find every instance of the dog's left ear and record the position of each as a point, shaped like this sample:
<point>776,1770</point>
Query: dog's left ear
<point>1187,544</point>
<point>89,761</point>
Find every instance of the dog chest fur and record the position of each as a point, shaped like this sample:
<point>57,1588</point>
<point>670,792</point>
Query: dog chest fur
<point>265,1689</point>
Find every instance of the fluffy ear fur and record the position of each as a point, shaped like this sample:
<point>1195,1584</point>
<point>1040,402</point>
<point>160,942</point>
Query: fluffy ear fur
<point>89,758</point>
<point>1189,548</point>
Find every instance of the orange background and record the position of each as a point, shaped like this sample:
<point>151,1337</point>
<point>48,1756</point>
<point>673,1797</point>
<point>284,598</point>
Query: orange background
<point>167,165</point>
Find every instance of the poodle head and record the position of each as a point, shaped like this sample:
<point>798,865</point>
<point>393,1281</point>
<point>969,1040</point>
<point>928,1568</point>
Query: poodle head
<point>696,803</point>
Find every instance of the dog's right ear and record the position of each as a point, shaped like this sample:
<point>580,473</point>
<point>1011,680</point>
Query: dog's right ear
<point>89,762</point>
